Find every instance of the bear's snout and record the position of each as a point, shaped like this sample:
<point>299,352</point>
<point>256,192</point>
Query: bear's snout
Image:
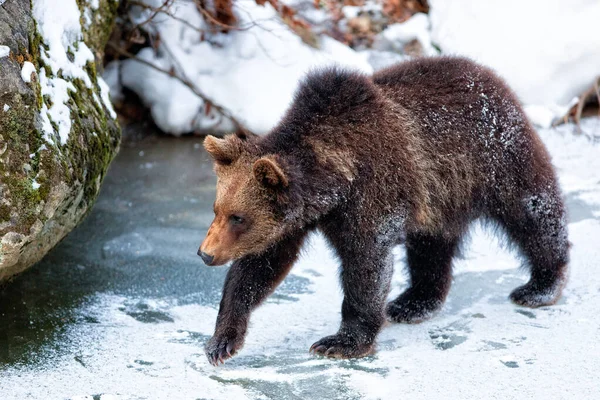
<point>208,259</point>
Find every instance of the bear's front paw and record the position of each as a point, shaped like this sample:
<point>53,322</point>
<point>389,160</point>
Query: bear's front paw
<point>341,346</point>
<point>223,345</point>
<point>529,295</point>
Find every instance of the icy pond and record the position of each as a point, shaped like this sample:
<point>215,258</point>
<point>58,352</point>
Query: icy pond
<point>122,307</point>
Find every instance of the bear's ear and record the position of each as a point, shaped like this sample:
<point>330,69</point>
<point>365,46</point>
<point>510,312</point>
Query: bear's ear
<point>223,151</point>
<point>269,173</point>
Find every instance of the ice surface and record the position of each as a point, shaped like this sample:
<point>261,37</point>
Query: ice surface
<point>122,308</point>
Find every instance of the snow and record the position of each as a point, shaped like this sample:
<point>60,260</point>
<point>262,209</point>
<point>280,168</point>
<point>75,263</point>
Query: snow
<point>6,107</point>
<point>4,51</point>
<point>111,77</point>
<point>253,72</point>
<point>105,95</point>
<point>26,71</point>
<point>549,52</point>
<point>61,32</point>
<point>395,36</point>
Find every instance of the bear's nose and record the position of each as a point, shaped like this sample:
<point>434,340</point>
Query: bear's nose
<point>205,257</point>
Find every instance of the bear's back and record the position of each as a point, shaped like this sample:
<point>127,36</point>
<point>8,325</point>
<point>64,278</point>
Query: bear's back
<point>459,104</point>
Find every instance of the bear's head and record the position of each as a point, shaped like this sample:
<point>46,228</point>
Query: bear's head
<point>246,216</point>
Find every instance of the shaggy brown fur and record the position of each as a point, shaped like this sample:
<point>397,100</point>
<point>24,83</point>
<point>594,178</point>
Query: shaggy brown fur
<point>411,155</point>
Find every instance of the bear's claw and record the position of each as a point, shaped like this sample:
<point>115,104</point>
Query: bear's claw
<point>222,347</point>
<point>341,346</point>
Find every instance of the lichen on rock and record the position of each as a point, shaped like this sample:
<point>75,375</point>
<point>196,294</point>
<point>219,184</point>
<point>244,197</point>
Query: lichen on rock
<point>58,132</point>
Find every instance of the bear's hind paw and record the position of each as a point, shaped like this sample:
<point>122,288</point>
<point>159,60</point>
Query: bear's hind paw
<point>409,310</point>
<point>341,346</point>
<point>529,295</point>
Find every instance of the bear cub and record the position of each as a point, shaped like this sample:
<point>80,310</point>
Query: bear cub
<point>411,155</point>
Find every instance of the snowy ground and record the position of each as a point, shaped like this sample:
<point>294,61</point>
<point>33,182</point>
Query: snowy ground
<point>122,308</point>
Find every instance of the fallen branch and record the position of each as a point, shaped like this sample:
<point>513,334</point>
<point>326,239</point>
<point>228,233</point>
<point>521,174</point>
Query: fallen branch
<point>584,99</point>
<point>576,112</point>
<point>210,104</point>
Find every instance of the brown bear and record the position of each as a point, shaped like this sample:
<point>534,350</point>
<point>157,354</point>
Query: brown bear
<point>411,155</point>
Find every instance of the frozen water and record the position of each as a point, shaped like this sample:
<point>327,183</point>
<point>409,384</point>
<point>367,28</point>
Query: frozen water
<point>122,307</point>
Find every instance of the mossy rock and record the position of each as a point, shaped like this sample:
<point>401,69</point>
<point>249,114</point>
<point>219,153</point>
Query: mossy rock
<point>46,185</point>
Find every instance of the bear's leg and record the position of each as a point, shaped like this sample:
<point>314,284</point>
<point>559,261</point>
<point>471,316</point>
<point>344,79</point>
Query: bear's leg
<point>539,228</point>
<point>429,260</point>
<point>249,281</point>
<point>366,275</point>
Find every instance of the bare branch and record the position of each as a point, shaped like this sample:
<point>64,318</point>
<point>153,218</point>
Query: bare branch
<point>183,79</point>
<point>155,12</point>
<point>162,10</point>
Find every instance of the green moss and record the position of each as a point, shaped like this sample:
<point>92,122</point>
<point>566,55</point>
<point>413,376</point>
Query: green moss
<point>93,140</point>
<point>25,199</point>
<point>18,130</point>
<point>90,68</point>
<point>71,55</point>
<point>103,20</point>
<point>90,154</point>
<point>54,125</point>
<point>4,213</point>
<point>48,101</point>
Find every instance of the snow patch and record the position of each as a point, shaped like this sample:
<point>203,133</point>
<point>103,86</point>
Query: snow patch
<point>4,50</point>
<point>66,52</point>
<point>111,77</point>
<point>27,70</point>
<point>397,35</point>
<point>105,95</point>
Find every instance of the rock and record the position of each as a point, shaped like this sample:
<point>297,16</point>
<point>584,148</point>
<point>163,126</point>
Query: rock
<point>57,128</point>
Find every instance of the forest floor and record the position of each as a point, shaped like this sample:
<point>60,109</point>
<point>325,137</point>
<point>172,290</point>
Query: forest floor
<point>122,307</point>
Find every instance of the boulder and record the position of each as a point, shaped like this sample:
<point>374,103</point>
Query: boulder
<point>58,132</point>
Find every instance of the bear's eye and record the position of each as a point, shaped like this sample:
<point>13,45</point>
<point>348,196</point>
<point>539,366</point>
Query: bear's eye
<point>236,219</point>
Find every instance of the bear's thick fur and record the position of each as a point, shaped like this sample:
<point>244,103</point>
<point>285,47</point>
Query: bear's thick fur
<point>411,155</point>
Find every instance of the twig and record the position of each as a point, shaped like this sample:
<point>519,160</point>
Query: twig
<point>155,12</point>
<point>209,103</point>
<point>583,100</point>
<point>160,10</point>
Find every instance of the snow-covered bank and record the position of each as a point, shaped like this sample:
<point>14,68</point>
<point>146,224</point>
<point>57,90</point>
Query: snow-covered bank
<point>548,51</point>
<point>253,72</point>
